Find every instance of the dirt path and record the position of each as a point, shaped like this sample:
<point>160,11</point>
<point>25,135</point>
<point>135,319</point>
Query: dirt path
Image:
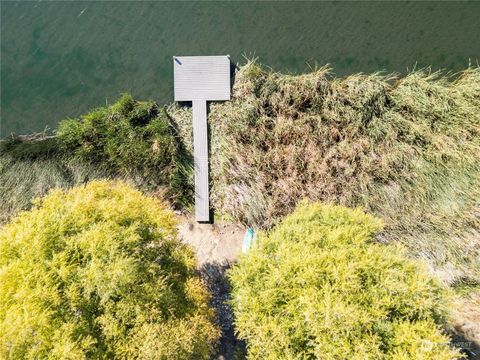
<point>466,326</point>
<point>218,246</point>
<point>214,243</point>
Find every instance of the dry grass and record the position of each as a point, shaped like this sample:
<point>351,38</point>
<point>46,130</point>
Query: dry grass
<point>405,149</point>
<point>30,167</point>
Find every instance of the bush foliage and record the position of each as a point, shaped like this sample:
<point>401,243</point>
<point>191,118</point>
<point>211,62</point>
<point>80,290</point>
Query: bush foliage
<point>98,272</point>
<point>133,139</point>
<point>317,287</point>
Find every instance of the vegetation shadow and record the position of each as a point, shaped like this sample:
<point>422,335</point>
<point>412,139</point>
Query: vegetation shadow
<point>185,162</point>
<point>215,276</point>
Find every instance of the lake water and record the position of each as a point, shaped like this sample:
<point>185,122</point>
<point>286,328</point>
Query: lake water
<point>60,59</point>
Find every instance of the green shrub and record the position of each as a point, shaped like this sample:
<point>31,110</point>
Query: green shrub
<point>98,272</point>
<point>317,287</point>
<point>134,139</point>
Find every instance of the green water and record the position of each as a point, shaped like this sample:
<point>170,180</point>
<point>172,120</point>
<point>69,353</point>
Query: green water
<point>60,59</point>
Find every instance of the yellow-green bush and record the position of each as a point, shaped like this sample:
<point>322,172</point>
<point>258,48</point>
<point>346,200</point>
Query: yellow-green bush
<point>316,287</point>
<point>98,272</point>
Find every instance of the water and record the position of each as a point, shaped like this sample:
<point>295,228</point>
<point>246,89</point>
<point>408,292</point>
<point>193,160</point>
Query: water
<point>60,59</point>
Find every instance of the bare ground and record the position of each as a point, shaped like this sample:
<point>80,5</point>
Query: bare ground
<point>466,326</point>
<point>218,246</point>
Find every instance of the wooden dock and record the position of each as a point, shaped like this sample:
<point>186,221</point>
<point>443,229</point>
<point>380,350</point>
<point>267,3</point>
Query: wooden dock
<point>200,79</point>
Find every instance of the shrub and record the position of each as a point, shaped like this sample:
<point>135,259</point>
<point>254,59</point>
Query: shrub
<point>98,272</point>
<point>134,139</point>
<point>317,287</point>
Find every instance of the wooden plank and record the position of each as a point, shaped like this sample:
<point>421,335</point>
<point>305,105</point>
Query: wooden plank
<point>200,154</point>
<point>201,78</point>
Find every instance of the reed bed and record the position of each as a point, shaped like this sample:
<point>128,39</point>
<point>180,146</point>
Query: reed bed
<point>406,149</point>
